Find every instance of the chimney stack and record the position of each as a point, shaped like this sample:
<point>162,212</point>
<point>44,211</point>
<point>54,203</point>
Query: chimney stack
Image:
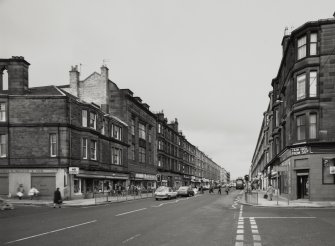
<point>74,81</point>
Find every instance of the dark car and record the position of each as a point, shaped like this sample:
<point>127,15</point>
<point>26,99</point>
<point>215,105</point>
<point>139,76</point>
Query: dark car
<point>185,191</point>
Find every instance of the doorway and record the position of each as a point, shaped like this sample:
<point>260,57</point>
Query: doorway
<point>303,185</point>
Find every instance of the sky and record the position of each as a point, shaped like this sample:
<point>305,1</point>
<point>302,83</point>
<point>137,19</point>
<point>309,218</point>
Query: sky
<point>208,63</point>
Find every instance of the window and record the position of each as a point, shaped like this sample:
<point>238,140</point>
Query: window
<point>104,127</point>
<point>53,145</point>
<point>277,117</point>
<point>301,86</point>
<point>141,154</point>
<point>159,128</point>
<point>84,118</point>
<point>312,83</point>
<point>132,126</point>
<point>141,131</point>
<point>312,126</point>
<point>160,145</point>
<point>2,112</point>
<point>149,135</point>
<point>301,127</point>
<point>159,161</point>
<point>84,148</point>
<point>313,44</point>
<point>116,132</point>
<point>301,47</point>
<point>93,120</point>
<point>93,150</point>
<point>3,145</point>
<point>116,156</point>
<point>327,165</point>
<point>132,152</point>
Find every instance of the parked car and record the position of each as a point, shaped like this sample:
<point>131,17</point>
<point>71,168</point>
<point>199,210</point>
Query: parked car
<point>164,192</point>
<point>185,191</point>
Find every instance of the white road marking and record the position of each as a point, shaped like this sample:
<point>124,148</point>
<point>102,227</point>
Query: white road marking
<point>133,211</point>
<point>256,237</point>
<point>239,237</point>
<point>284,217</point>
<point>49,232</point>
<point>131,238</point>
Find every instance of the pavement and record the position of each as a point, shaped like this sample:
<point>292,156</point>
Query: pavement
<point>75,202</point>
<point>257,199</point>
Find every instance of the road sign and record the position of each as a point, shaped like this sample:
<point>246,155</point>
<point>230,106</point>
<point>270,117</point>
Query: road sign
<point>73,170</point>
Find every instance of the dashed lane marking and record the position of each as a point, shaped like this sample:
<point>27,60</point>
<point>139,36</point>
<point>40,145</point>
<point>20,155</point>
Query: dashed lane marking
<point>49,232</point>
<point>133,211</point>
<point>131,238</point>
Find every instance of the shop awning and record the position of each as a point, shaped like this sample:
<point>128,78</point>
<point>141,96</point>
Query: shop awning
<point>101,175</point>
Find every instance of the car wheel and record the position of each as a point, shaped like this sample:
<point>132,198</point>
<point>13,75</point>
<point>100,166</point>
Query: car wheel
<point>156,199</point>
<point>169,197</point>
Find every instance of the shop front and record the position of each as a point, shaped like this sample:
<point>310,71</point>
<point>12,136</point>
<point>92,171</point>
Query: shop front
<point>186,180</point>
<point>169,179</point>
<point>195,182</point>
<point>86,183</point>
<point>143,180</point>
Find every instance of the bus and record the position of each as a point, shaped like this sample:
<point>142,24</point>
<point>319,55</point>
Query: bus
<point>239,184</point>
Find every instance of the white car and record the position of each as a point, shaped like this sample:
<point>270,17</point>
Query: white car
<point>164,192</point>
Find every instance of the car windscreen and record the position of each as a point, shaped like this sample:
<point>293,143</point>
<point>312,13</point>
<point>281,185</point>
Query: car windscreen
<point>160,189</point>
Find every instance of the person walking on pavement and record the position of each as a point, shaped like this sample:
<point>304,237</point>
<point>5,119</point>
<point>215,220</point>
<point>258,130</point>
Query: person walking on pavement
<point>270,192</point>
<point>57,198</point>
<point>227,189</point>
<point>219,190</point>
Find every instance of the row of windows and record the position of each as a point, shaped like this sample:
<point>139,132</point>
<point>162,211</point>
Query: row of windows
<point>115,131</point>
<point>141,130</point>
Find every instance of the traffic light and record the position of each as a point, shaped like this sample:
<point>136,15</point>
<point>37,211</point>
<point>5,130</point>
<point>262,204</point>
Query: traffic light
<point>246,178</point>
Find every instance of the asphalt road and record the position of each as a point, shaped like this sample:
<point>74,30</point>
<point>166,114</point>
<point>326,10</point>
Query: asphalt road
<point>201,220</point>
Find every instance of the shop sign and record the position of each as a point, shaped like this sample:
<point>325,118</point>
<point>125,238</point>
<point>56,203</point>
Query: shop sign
<point>300,151</point>
<point>73,170</point>
<point>139,175</point>
<point>187,177</point>
<point>332,170</point>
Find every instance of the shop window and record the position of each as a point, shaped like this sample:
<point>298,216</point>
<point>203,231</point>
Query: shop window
<point>328,171</point>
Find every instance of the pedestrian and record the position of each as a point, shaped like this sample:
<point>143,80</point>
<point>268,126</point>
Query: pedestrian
<point>33,192</point>
<point>57,198</point>
<point>20,191</point>
<point>219,190</point>
<point>270,192</point>
<point>227,189</point>
<point>201,189</point>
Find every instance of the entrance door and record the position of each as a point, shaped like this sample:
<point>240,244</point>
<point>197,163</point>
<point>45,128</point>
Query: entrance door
<point>302,185</point>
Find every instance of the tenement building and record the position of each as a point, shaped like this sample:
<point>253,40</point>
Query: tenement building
<point>88,136</point>
<point>45,130</point>
<point>122,104</point>
<point>295,150</point>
